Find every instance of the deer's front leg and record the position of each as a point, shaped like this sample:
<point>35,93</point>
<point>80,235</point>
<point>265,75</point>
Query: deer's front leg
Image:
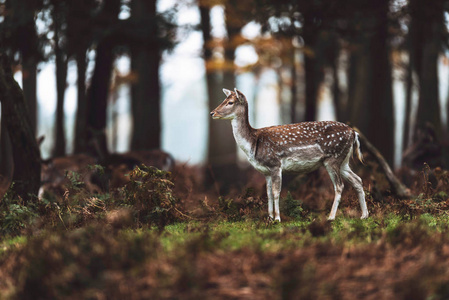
<point>276,178</point>
<point>270,196</point>
<point>338,187</point>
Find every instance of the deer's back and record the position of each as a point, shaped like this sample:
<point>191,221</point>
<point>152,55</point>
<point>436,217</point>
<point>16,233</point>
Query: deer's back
<point>302,146</point>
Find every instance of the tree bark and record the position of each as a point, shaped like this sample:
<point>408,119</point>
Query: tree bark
<point>426,35</point>
<point>80,143</point>
<point>429,108</point>
<point>25,40</point>
<point>408,104</point>
<point>222,151</point>
<point>61,82</point>
<point>29,84</point>
<point>145,60</point>
<point>26,153</point>
<point>370,91</point>
<point>98,92</point>
<point>294,89</point>
<point>97,99</point>
<point>6,158</point>
<point>311,74</point>
<point>336,93</point>
<point>313,65</point>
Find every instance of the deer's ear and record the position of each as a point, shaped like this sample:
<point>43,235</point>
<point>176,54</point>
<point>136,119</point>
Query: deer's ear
<point>227,92</point>
<point>240,95</point>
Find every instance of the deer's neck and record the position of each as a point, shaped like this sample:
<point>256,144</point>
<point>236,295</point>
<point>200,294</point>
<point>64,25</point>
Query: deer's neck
<point>243,133</point>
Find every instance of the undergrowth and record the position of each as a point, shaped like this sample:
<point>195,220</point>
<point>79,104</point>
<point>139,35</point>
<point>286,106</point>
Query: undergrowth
<point>143,241</point>
<point>225,259</point>
<point>147,199</point>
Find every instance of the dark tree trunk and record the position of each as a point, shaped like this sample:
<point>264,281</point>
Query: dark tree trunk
<point>222,155</point>
<point>294,90</point>
<point>426,32</point>
<point>97,99</point>
<point>429,108</point>
<point>413,67</point>
<point>340,111</point>
<point>353,82</point>
<point>221,145</point>
<point>206,32</point>
<point>20,17</point>
<point>98,92</point>
<point>145,60</point>
<point>381,118</point>
<point>370,90</point>
<point>26,153</point>
<point>6,158</point>
<point>61,82</point>
<point>81,112</point>
<point>359,80</point>
<point>312,84</point>
<point>313,64</point>
<point>408,104</point>
<point>29,80</point>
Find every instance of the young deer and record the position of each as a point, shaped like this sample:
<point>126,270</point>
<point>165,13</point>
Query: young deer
<point>301,147</point>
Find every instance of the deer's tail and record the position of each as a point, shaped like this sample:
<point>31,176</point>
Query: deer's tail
<point>357,148</point>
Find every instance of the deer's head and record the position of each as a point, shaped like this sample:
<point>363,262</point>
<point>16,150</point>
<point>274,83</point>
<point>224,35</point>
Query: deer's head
<point>233,106</point>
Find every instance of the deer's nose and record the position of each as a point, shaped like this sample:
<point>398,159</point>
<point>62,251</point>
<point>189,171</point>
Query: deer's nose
<point>212,113</point>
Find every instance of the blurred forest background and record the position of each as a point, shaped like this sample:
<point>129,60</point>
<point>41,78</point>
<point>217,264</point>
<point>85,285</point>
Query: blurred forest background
<point>107,76</point>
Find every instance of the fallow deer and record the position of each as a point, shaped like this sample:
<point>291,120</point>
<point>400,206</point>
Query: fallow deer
<point>301,147</point>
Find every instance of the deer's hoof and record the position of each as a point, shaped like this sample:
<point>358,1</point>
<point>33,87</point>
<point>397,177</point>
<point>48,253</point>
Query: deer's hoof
<point>272,220</point>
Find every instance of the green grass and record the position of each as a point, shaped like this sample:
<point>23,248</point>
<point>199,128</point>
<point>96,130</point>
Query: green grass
<point>229,236</point>
<point>265,236</point>
<point>11,243</point>
<point>173,258</point>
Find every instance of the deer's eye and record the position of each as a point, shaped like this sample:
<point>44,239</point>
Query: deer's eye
<point>230,103</point>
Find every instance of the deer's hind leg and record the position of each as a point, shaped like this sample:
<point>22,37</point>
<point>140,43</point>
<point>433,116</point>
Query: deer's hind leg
<point>270,196</point>
<point>333,168</point>
<point>356,183</point>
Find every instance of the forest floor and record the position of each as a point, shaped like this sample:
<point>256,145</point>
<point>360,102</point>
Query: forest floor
<point>165,236</point>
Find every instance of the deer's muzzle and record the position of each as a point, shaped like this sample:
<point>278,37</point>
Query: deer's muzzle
<point>214,115</point>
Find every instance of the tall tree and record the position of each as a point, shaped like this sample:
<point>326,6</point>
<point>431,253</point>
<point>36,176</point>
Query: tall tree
<point>26,155</point>
<point>426,37</point>
<point>333,56</point>
<point>294,115</point>
<point>221,148</point>
<point>370,96</point>
<point>312,63</point>
<point>59,16</point>
<point>426,32</point>
<point>98,91</point>
<point>20,17</point>
<point>146,92</point>
<point>6,158</point>
<point>80,141</point>
<point>79,39</point>
<point>409,73</point>
<point>222,151</point>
